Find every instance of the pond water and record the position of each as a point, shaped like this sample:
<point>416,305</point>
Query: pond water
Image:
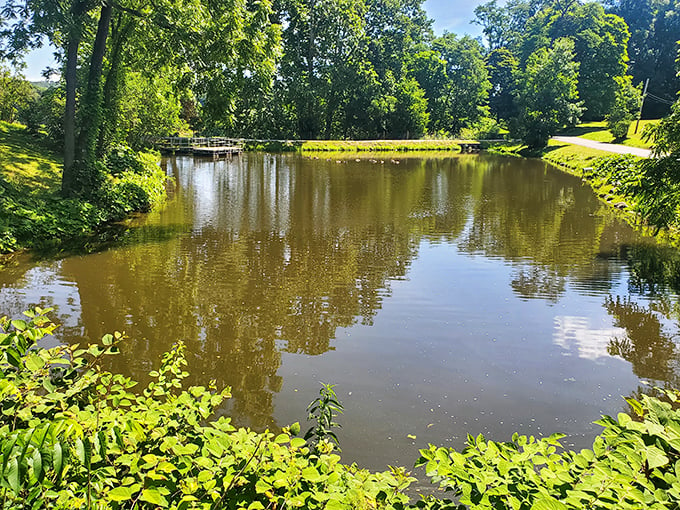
<point>443,295</point>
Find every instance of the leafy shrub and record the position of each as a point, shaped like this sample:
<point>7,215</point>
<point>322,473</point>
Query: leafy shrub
<point>73,435</point>
<point>136,183</point>
<point>485,128</point>
<point>624,107</point>
<point>653,184</point>
<point>633,464</point>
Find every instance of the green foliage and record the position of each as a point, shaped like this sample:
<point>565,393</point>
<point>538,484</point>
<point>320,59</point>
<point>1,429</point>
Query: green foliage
<point>503,72</point>
<point>16,94</point>
<point>624,108</point>
<point>547,95</point>
<point>485,128</point>
<point>457,98</point>
<point>322,410</point>
<point>136,183</point>
<point>653,185</point>
<point>46,114</point>
<point>33,215</point>
<point>149,106</point>
<point>73,435</point>
<point>665,136</point>
<point>633,464</point>
<point>654,27</point>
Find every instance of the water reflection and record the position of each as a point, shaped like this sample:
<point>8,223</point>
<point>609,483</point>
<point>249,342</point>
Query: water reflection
<point>483,284</point>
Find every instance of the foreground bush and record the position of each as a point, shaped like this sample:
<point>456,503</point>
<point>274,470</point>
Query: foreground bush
<point>75,436</point>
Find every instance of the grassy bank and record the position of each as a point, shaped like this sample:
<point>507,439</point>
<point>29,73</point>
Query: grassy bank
<point>598,132</point>
<point>34,215</point>
<point>353,145</point>
<point>379,145</point>
<point>645,192</point>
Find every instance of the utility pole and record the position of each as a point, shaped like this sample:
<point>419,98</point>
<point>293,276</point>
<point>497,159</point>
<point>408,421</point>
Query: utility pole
<point>642,103</point>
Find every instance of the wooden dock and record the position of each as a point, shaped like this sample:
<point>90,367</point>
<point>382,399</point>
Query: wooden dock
<point>213,147</point>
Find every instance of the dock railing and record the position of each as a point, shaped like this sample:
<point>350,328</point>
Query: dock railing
<point>183,143</point>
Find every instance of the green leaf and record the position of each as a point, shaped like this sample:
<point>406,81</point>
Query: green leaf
<point>548,503</point>
<point>297,442</point>
<point>295,428</point>
<point>57,459</point>
<point>120,494</point>
<point>656,457</point>
<point>34,362</point>
<point>310,473</point>
<point>154,497</point>
<point>19,325</point>
<point>37,464</point>
<point>12,475</point>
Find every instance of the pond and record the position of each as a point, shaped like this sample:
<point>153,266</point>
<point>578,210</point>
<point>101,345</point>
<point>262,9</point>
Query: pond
<point>443,295</point>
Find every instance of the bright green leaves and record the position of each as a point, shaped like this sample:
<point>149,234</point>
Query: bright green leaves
<point>322,410</point>
<point>633,464</point>
<point>90,439</point>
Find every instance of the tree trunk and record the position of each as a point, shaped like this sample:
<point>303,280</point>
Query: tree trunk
<point>92,104</point>
<point>74,35</point>
<point>70,114</point>
<point>82,178</point>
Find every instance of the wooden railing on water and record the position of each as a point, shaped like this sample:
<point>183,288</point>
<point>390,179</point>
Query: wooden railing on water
<point>214,146</point>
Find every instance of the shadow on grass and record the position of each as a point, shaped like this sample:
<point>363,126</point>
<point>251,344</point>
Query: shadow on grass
<point>581,130</point>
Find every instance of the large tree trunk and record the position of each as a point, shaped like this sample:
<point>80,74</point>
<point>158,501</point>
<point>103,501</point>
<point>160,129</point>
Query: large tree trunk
<point>114,78</point>
<point>68,177</point>
<point>92,104</point>
<point>83,178</point>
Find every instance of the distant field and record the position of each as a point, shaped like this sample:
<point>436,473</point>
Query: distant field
<point>598,131</point>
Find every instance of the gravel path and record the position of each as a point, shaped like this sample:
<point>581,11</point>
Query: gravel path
<point>607,147</point>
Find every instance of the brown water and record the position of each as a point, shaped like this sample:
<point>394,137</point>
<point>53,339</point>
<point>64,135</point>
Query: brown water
<point>443,296</point>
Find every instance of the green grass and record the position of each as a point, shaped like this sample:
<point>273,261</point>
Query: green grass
<point>380,145</point>
<point>34,215</point>
<point>598,132</point>
<point>25,164</point>
<point>572,157</point>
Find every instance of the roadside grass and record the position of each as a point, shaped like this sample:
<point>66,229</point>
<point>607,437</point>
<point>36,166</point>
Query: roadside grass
<point>380,145</point>
<point>598,132</point>
<point>573,157</point>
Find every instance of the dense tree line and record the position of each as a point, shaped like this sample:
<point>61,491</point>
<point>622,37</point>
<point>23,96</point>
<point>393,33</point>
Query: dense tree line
<point>132,69</point>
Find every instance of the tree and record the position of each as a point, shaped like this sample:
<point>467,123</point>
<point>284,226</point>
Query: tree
<point>503,27</point>
<point>547,93</point>
<point>455,80</point>
<point>16,94</point>
<point>654,27</point>
<point>325,59</point>
<point>626,105</point>
<point>503,68</point>
<point>600,46</point>
<point>100,42</point>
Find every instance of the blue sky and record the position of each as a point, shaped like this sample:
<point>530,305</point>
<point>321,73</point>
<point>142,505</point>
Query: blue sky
<point>448,15</point>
